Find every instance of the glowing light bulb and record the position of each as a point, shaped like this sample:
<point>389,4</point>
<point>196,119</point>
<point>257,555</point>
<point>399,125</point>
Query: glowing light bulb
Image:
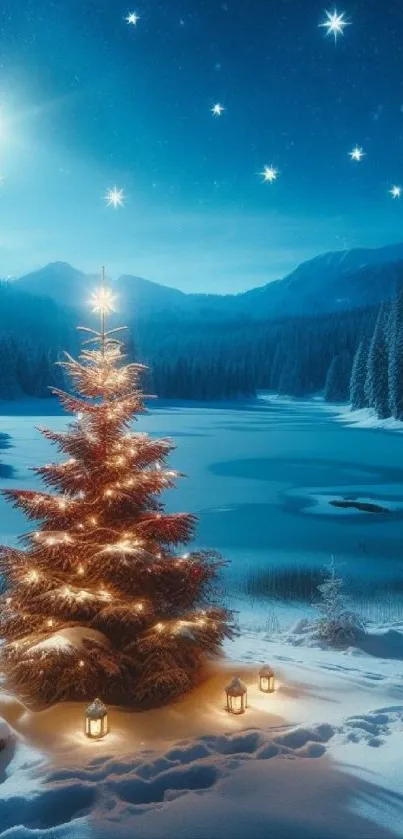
<point>50,622</point>
<point>80,569</point>
<point>81,663</point>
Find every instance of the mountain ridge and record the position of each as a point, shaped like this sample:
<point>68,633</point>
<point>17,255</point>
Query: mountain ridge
<point>328,282</point>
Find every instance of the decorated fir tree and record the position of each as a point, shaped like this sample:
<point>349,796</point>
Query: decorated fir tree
<point>99,599</point>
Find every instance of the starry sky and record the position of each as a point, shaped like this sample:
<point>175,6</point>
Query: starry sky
<point>89,101</point>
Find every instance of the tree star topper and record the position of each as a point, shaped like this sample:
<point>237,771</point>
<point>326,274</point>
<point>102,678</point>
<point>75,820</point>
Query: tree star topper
<point>115,197</point>
<point>269,174</point>
<point>357,153</point>
<point>335,23</point>
<point>132,18</point>
<point>103,301</point>
<point>217,109</point>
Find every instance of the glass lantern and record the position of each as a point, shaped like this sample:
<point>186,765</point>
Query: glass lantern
<point>266,679</point>
<point>237,697</point>
<point>96,720</point>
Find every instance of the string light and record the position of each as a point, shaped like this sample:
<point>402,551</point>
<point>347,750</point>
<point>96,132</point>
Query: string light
<point>81,663</point>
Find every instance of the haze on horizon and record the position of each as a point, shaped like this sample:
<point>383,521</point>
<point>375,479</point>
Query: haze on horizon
<point>89,102</point>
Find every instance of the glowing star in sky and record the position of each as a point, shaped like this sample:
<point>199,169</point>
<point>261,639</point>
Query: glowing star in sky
<point>335,23</point>
<point>357,153</point>
<point>269,174</point>
<point>395,192</point>
<point>103,301</point>
<point>217,109</point>
<point>115,197</point>
<point>132,18</point>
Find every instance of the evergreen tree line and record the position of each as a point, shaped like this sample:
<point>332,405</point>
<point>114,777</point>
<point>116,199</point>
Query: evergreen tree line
<point>294,356</point>
<point>27,369</point>
<point>354,353</point>
<point>210,361</point>
<point>376,378</point>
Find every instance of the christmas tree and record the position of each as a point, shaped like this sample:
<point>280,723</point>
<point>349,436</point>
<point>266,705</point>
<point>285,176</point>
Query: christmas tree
<point>98,599</point>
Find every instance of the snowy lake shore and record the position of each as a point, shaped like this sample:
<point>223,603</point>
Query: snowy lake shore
<point>319,759</point>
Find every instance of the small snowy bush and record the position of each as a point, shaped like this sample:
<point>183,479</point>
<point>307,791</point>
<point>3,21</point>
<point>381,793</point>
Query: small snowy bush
<point>337,625</point>
<point>273,626</point>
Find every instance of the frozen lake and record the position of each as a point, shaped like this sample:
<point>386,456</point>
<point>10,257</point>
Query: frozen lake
<point>259,476</point>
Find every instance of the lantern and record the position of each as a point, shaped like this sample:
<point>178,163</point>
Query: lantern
<point>237,696</point>
<point>96,720</point>
<point>266,679</point>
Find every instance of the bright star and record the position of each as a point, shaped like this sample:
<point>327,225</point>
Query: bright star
<point>103,301</point>
<point>132,18</point>
<point>217,109</point>
<point>115,197</point>
<point>269,174</point>
<point>357,153</point>
<point>335,23</point>
<point>395,192</point>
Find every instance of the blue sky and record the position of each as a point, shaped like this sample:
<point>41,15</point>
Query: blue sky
<point>88,102</point>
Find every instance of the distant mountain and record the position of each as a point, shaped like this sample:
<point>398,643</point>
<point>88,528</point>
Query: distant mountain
<point>58,280</point>
<point>332,281</point>
<point>329,282</point>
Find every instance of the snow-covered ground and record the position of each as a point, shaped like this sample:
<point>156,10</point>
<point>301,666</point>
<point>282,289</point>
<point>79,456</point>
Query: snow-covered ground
<point>319,758</point>
<point>367,418</point>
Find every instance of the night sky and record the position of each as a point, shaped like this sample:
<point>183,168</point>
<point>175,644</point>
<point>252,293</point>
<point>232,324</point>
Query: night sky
<point>89,101</point>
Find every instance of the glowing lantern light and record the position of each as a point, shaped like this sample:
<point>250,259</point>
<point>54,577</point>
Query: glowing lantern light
<point>96,720</point>
<point>266,679</point>
<point>237,696</point>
